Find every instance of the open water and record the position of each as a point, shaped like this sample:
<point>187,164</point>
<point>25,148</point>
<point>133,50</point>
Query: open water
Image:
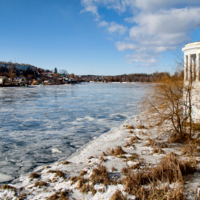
<point>42,124</point>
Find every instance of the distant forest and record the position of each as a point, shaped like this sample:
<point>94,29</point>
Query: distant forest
<point>128,77</point>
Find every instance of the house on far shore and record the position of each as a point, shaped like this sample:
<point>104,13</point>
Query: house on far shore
<point>2,80</point>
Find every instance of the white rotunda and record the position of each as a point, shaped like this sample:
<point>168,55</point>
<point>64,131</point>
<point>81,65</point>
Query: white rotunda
<point>191,75</point>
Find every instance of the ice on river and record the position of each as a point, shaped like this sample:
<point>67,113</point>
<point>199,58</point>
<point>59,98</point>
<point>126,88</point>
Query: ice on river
<point>40,125</point>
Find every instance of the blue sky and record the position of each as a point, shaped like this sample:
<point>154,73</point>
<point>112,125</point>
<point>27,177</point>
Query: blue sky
<point>103,37</point>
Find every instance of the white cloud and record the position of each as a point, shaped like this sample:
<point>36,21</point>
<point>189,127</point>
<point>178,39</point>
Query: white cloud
<point>122,46</point>
<point>113,27</point>
<point>103,23</point>
<point>157,25</point>
<point>145,59</point>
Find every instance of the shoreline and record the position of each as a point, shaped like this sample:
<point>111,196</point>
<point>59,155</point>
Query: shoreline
<point>71,176</point>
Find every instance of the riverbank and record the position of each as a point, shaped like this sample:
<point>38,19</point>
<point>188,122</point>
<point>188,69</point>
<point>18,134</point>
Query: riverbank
<point>109,166</point>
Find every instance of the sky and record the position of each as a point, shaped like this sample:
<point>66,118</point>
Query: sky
<point>100,37</point>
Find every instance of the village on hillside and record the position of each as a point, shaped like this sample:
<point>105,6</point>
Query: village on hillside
<point>15,74</point>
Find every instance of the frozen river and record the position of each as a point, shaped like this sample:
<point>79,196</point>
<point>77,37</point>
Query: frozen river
<point>41,124</point>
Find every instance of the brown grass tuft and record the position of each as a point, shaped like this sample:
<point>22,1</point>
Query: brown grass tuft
<point>58,173</point>
<point>169,169</point>
<point>8,187</point>
<point>81,182</point>
<point>118,196</point>
<point>65,162</point>
<point>100,175</point>
<point>115,152</point>
<point>125,170</point>
<point>130,127</point>
<point>83,172</point>
<point>34,175</point>
<point>114,169</point>
<point>190,150</point>
<point>158,151</point>
<point>74,179</point>
<point>140,126</point>
<point>59,196</point>
<point>41,184</point>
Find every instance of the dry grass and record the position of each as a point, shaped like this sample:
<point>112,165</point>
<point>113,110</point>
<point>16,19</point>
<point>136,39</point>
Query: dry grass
<point>8,187</point>
<point>65,162</point>
<point>151,143</point>
<point>157,150</point>
<point>34,175</point>
<point>140,126</point>
<point>130,132</point>
<point>83,172</point>
<point>113,169</point>
<point>118,196</point>
<point>58,173</point>
<point>59,196</point>
<point>74,179</point>
<point>170,169</point>
<point>100,175</point>
<point>133,157</point>
<point>41,184</point>
<point>115,152</point>
<point>190,150</point>
<point>81,182</point>
<point>22,196</point>
<point>164,193</point>
<point>130,127</point>
<point>125,170</point>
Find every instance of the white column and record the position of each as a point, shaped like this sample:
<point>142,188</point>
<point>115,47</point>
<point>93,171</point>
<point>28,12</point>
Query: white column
<point>189,67</point>
<point>197,67</point>
<point>185,67</point>
<point>193,68</point>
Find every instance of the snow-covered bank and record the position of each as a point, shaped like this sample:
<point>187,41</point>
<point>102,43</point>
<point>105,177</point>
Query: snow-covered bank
<point>99,169</point>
